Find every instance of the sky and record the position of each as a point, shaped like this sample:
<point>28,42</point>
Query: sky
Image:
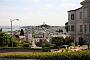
<point>36,12</point>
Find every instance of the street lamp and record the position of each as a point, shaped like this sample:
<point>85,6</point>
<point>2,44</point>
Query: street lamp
<point>11,27</point>
<point>11,23</point>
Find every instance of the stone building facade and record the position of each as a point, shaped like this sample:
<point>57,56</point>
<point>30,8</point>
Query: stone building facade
<point>79,22</point>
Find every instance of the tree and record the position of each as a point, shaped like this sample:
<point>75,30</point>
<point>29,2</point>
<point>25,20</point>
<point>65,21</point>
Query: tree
<point>66,26</point>
<point>1,30</point>
<point>7,40</point>
<point>21,32</point>
<point>58,41</point>
<point>81,41</point>
<point>69,40</point>
<point>39,43</point>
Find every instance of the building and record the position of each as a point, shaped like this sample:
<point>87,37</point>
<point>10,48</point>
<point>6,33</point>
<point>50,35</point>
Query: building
<point>79,22</point>
<point>43,32</point>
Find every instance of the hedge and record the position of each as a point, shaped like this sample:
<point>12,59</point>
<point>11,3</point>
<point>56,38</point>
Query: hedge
<point>45,49</point>
<point>82,55</point>
<point>14,48</point>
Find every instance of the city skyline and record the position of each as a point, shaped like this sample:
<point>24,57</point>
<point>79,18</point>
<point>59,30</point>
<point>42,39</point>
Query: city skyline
<point>35,12</point>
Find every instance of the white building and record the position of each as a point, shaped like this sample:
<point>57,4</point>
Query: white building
<point>79,22</point>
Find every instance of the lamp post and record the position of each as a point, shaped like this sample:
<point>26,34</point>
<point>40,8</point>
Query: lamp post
<point>11,23</point>
<point>11,28</point>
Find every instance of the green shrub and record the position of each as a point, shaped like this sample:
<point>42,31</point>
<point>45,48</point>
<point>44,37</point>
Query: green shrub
<point>58,41</point>
<point>46,49</point>
<point>46,45</point>
<point>26,45</point>
<point>6,40</point>
<point>82,55</point>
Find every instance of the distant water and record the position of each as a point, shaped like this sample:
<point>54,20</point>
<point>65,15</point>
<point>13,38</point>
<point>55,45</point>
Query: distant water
<point>6,30</point>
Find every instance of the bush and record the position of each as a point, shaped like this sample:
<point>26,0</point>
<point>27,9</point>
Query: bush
<point>46,49</point>
<point>26,45</point>
<point>46,45</point>
<point>39,43</point>
<point>6,40</point>
<point>68,40</point>
<point>57,41</point>
<point>83,55</point>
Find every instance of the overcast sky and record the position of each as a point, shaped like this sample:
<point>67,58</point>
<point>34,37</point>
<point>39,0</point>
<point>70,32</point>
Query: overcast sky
<point>35,12</point>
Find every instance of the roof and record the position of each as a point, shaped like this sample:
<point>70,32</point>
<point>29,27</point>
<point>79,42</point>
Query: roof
<point>84,2</point>
<point>75,9</point>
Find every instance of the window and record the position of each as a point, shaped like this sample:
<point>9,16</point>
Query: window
<point>81,28</point>
<point>89,12</point>
<point>80,15</point>
<point>89,27</point>
<point>85,28</point>
<point>72,27</point>
<point>72,16</point>
<point>68,28</point>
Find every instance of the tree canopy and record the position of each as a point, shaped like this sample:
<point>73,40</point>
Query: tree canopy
<point>7,40</point>
<point>66,26</point>
<point>1,30</point>
<point>58,41</point>
<point>21,32</point>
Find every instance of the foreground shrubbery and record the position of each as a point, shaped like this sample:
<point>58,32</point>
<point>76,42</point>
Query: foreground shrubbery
<point>6,40</point>
<point>83,55</point>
